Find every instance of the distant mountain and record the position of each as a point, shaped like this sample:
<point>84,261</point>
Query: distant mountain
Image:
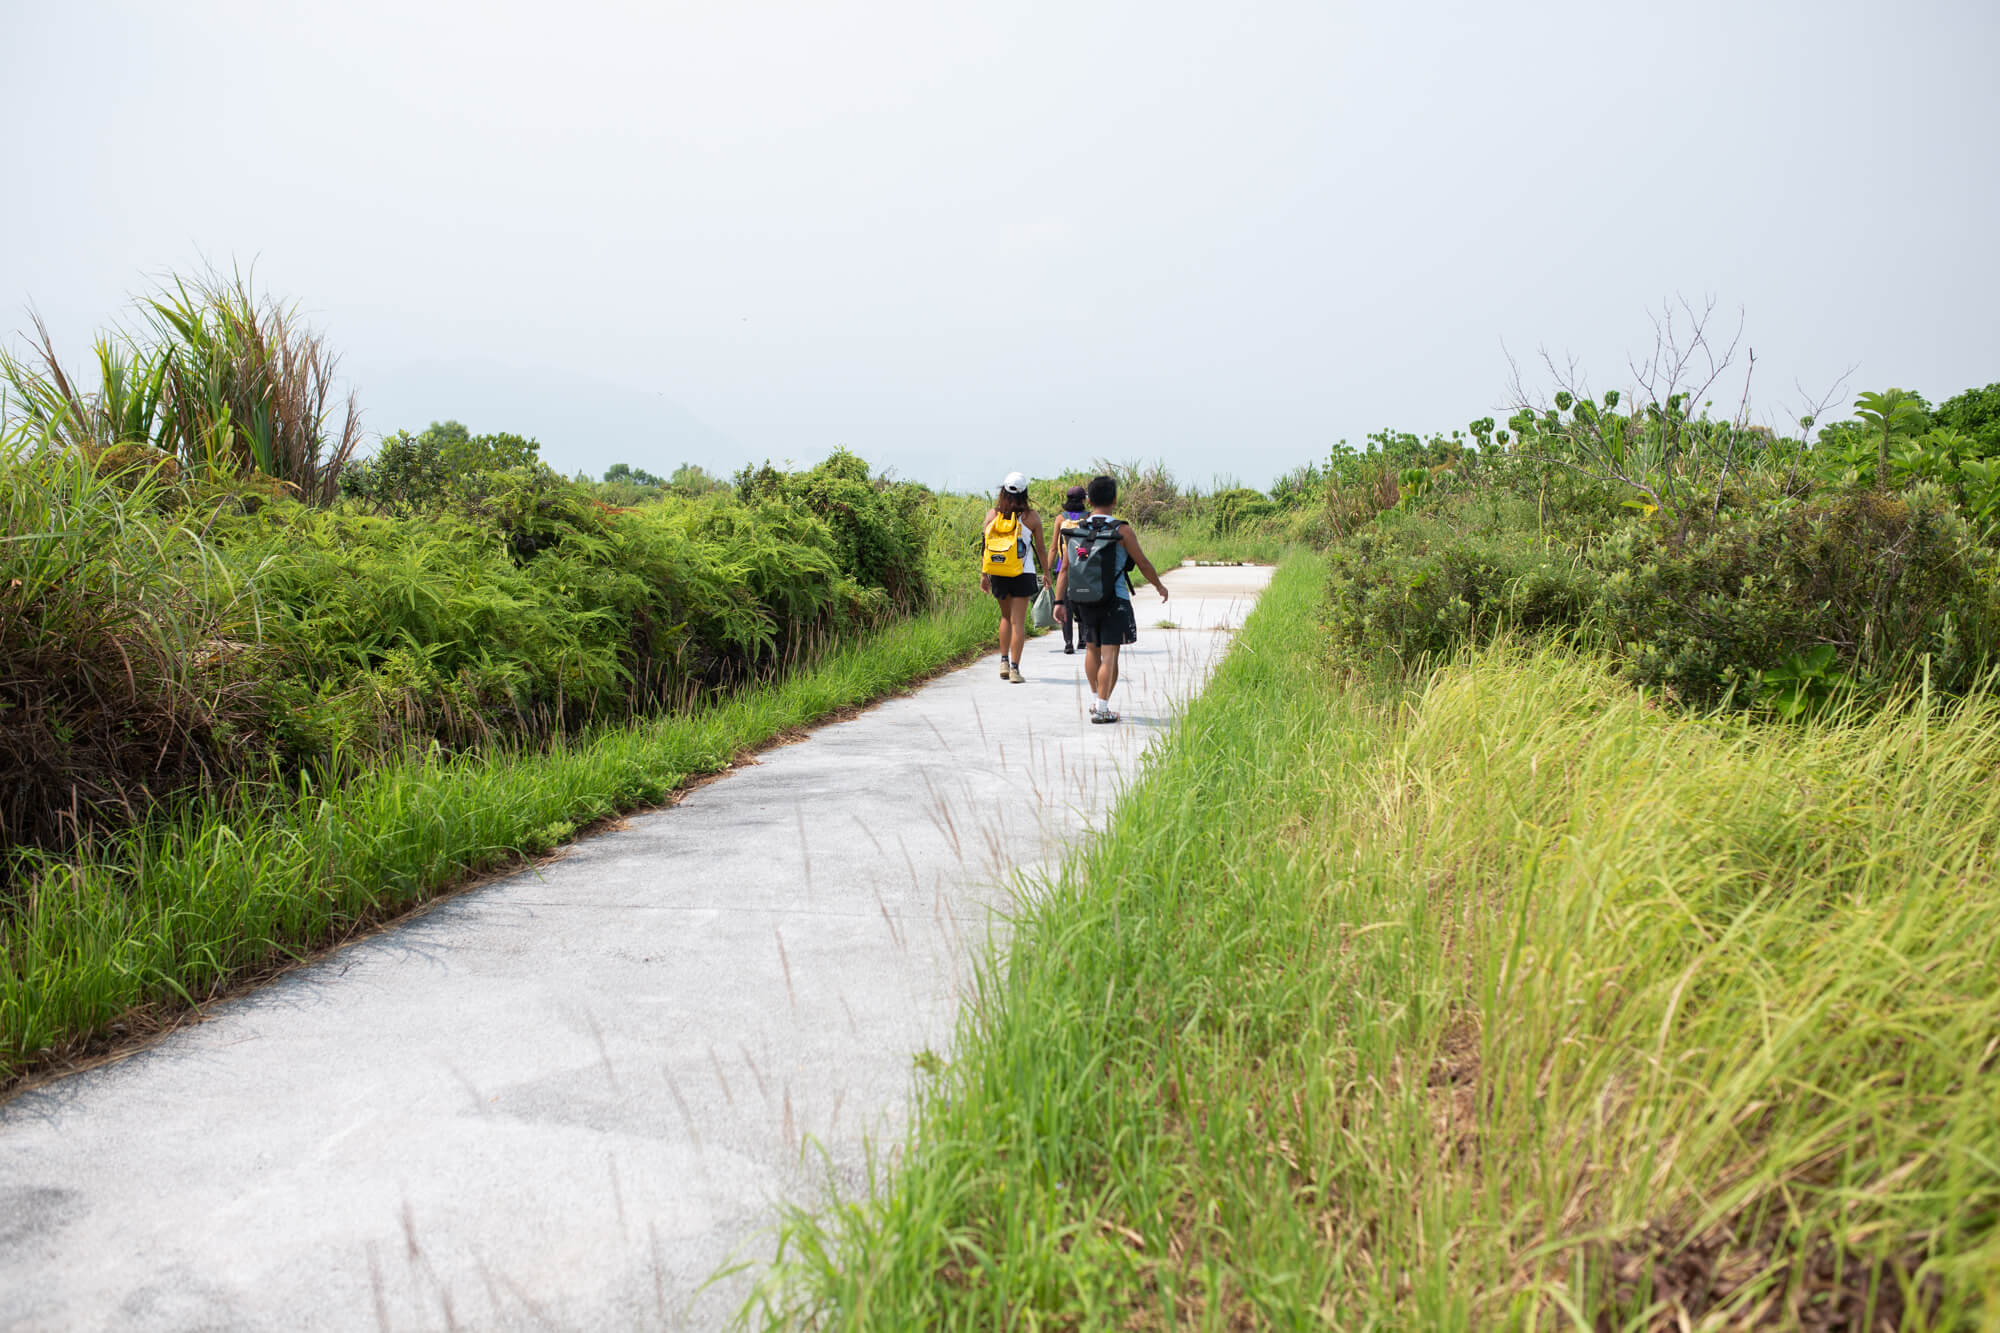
<point>583,424</point>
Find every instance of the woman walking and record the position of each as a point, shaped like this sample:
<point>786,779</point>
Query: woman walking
<point>1012,552</point>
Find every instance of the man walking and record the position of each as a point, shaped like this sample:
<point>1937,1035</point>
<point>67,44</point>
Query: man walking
<point>1095,586</point>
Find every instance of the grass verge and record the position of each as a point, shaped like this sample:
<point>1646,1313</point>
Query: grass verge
<point>1169,547</point>
<point>128,933</point>
<point>1505,1001</point>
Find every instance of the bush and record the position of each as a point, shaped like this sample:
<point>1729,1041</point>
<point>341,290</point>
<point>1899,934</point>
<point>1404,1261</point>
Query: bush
<point>142,660</point>
<point>879,527</point>
<point>532,609</point>
<point>1898,588</point>
<point>412,474</point>
<point>119,635</point>
<point>1414,585</point>
<point>1975,414</point>
<point>1895,585</point>
<point>624,484</point>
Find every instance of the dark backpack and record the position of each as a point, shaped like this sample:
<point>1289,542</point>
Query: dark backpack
<point>1090,555</point>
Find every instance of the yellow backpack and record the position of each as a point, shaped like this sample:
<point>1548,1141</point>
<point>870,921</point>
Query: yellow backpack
<point>1003,546</point>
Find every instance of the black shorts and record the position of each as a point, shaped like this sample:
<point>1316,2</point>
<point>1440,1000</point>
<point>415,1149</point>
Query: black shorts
<point>1015,585</point>
<point>1109,622</point>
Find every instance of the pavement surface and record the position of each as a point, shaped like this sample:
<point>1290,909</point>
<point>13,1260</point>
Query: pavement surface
<point>571,1097</point>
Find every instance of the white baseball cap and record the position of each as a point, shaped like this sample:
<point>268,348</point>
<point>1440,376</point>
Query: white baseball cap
<point>1015,482</point>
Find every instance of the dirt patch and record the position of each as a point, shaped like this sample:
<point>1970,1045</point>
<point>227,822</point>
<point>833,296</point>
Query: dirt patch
<point>1453,1083</point>
<point>1766,1283</point>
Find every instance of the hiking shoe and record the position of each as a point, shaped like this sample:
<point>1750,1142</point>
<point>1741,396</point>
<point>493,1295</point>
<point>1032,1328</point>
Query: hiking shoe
<point>1014,675</point>
<point>1006,668</point>
<point>1103,715</point>
<point>1069,650</point>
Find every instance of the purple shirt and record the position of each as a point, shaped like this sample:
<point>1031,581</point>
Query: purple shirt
<point>1067,517</point>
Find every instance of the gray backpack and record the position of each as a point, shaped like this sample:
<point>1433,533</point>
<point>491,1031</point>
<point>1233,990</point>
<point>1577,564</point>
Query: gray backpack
<point>1090,554</point>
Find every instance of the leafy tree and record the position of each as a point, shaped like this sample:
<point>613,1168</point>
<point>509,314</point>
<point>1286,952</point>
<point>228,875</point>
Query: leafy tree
<point>411,473</point>
<point>632,476</point>
<point>693,479</point>
<point>1975,413</point>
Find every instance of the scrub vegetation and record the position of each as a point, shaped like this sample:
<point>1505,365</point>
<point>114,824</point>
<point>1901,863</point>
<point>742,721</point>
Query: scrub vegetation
<point>257,692</point>
<point>1570,906</point>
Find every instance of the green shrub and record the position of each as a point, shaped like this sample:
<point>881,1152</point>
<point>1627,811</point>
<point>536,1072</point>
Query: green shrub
<point>879,527</point>
<point>531,609</point>
<point>625,485</point>
<point>412,474</point>
<point>1896,585</point>
<point>143,659</point>
<point>119,637</point>
<point>1412,585</point>
<point>1974,413</point>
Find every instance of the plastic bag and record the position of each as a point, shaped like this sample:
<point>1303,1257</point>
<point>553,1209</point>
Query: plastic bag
<point>1042,615</point>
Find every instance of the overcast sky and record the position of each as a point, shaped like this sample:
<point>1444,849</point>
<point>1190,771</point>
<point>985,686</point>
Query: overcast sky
<point>966,238</point>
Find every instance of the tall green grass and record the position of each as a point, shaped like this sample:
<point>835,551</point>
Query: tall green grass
<point>1513,1001</point>
<point>117,626</point>
<point>224,381</point>
<point>131,929</point>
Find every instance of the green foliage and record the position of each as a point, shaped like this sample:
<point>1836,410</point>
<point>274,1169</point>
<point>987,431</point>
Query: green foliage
<point>1975,413</point>
<point>1890,416</point>
<point>879,527</point>
<point>1413,586</point>
<point>1301,488</point>
<point>624,484</point>
<point>444,464</point>
<point>1806,682</point>
<point>122,646</point>
<point>1233,509</point>
<point>1663,456</point>
<point>248,388</point>
<point>124,408</point>
<point>223,381</point>
<point>1701,606</point>
<point>1897,586</point>
<point>635,476</point>
<point>165,635</point>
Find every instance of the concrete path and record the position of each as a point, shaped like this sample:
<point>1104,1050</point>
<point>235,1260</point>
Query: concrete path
<point>568,1098</point>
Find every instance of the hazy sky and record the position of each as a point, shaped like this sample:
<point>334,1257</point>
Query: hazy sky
<point>965,238</point>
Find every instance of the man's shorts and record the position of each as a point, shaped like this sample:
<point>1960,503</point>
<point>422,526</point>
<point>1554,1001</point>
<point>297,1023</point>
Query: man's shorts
<point>1015,585</point>
<point>1109,622</point>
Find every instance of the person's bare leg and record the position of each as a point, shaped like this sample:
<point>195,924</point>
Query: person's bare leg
<point>1017,614</point>
<point>1006,636</point>
<point>1090,667</point>
<point>1107,672</point>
